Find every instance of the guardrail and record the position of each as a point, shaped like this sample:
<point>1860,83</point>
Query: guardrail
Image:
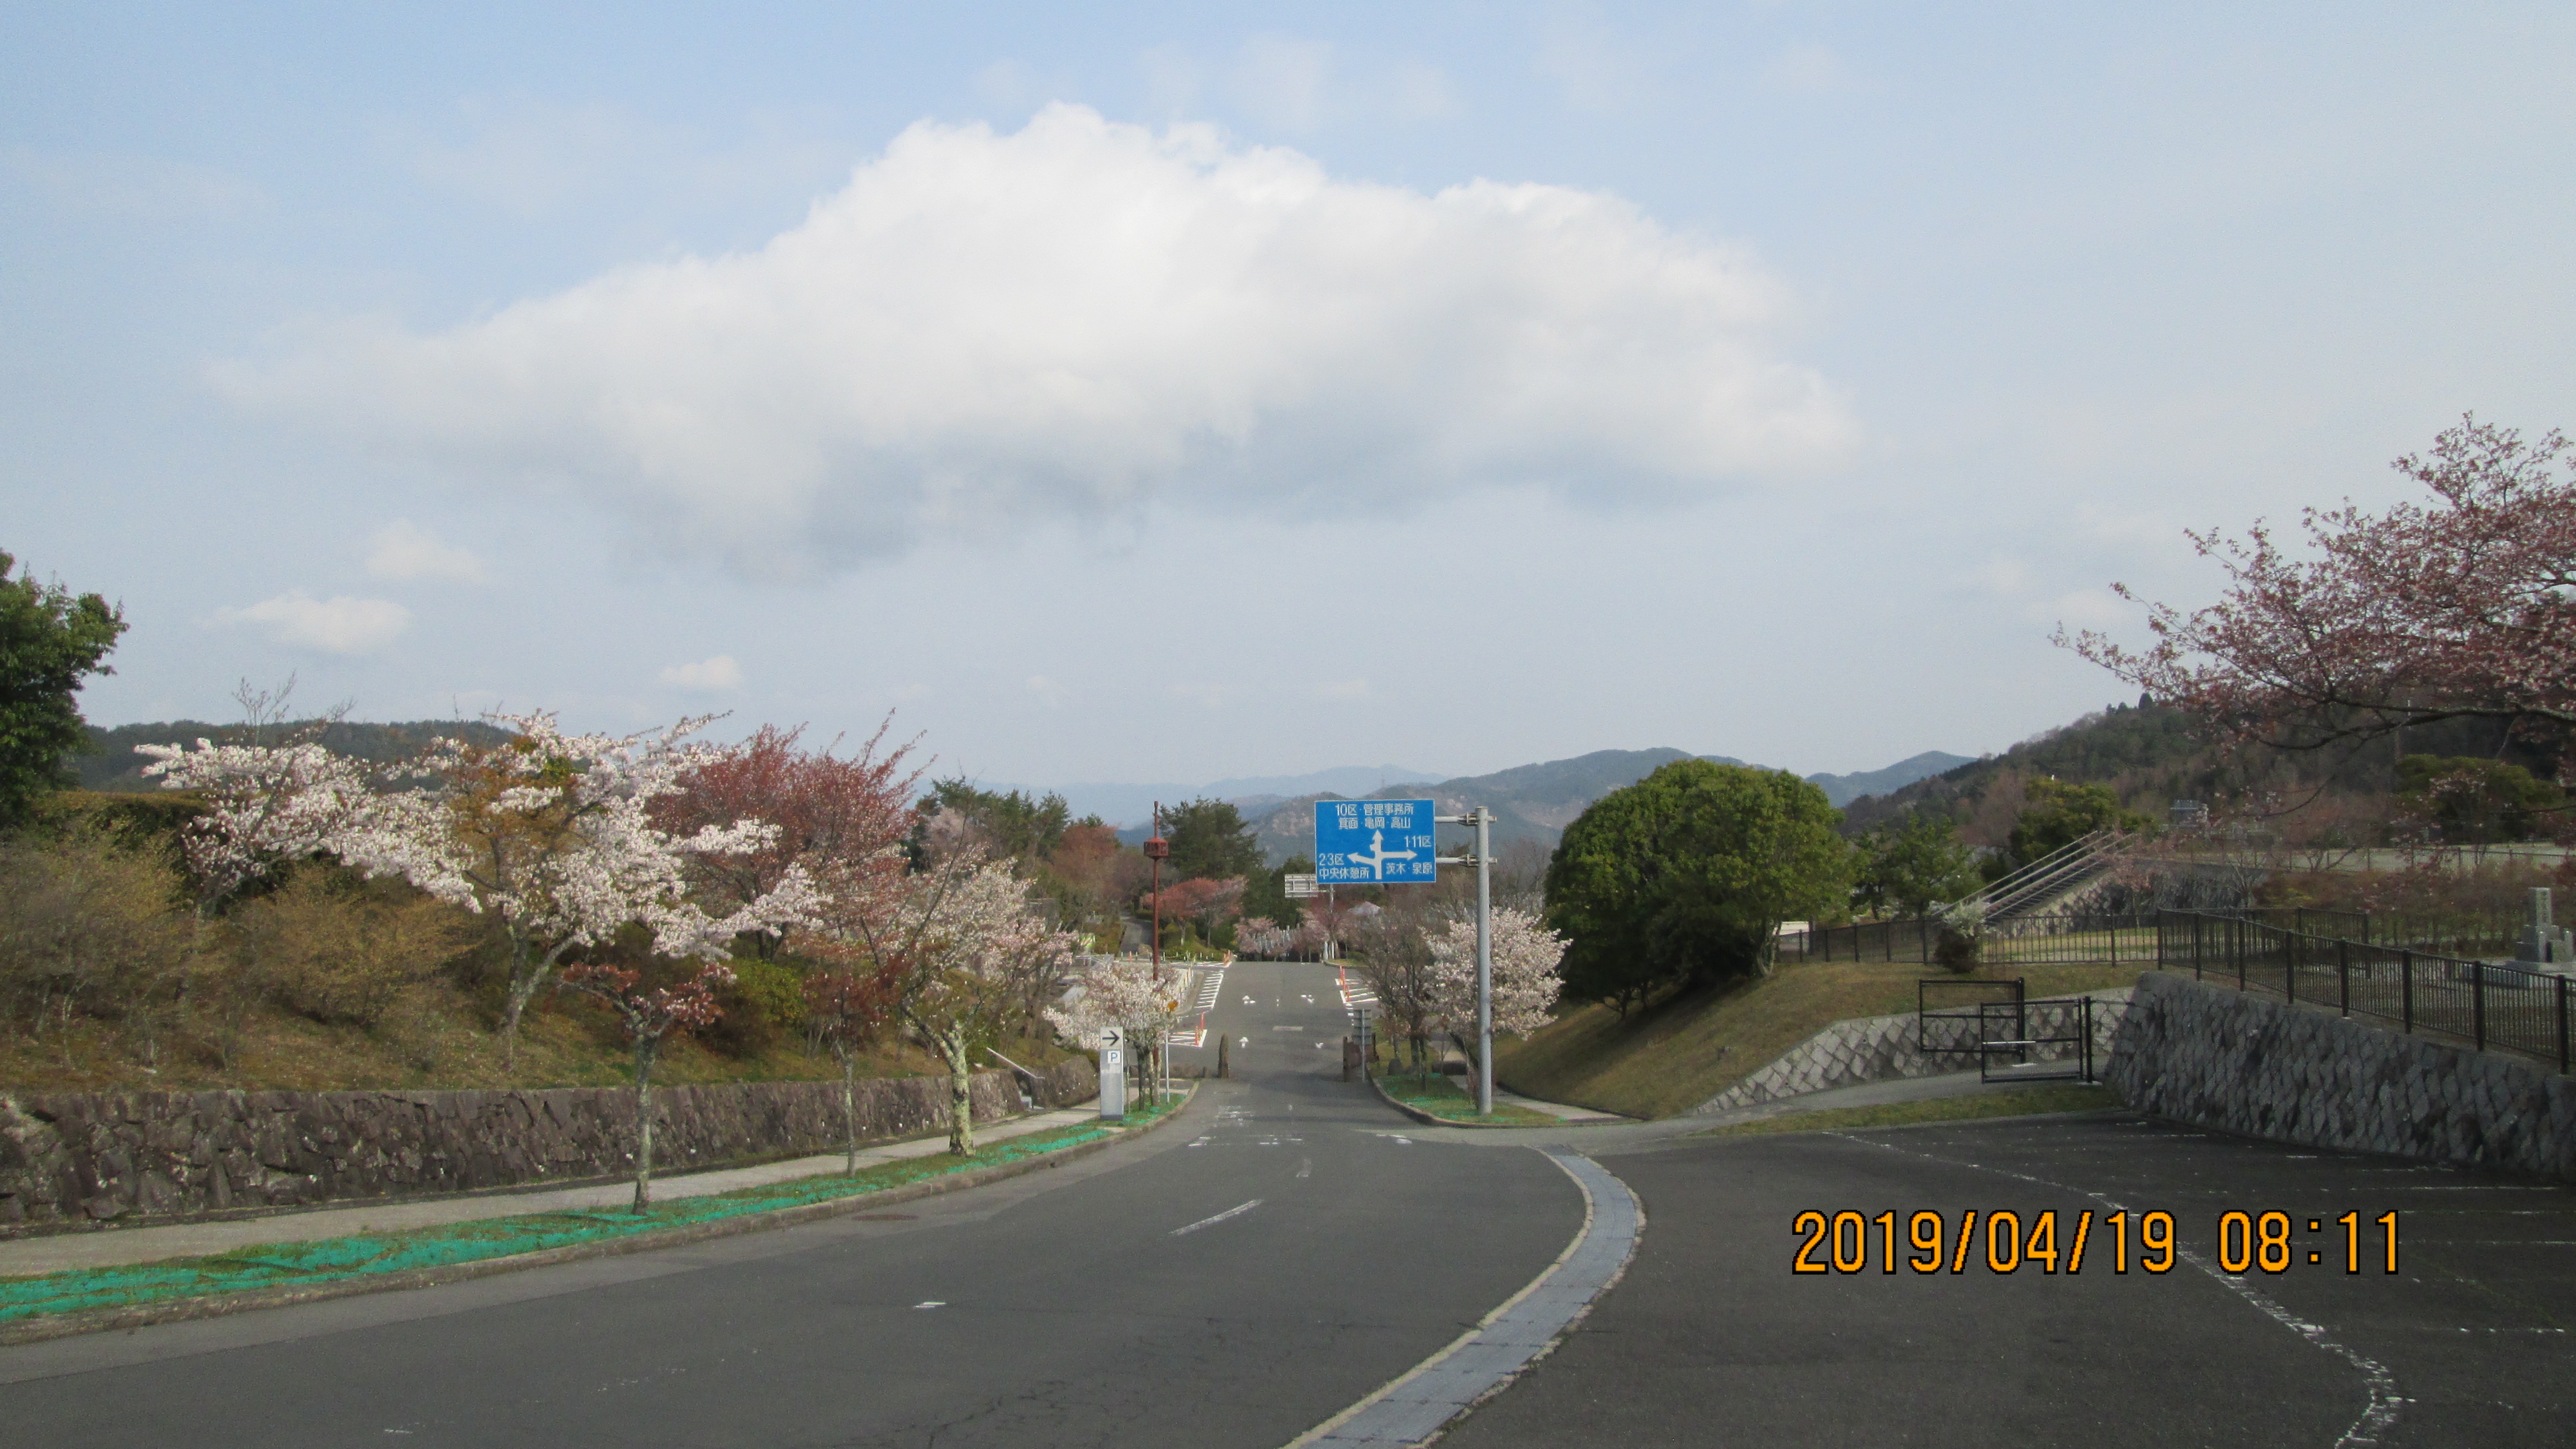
<point>2487,1004</point>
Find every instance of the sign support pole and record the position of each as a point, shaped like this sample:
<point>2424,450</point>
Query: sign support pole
<point>1484,962</point>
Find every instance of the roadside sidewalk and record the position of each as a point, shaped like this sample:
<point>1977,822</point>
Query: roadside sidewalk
<point>114,1247</point>
<point>1558,1110</point>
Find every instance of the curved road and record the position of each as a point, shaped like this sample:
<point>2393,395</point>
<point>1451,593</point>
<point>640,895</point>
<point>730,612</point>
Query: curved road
<point>1073,1306</point>
<point>1289,1246</point>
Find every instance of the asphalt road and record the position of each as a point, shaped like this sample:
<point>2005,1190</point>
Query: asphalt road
<point>1712,1339</point>
<point>1067,1307</point>
<point>1290,1245</point>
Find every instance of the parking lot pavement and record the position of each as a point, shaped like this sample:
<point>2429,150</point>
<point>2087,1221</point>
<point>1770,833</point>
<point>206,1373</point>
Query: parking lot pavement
<point>1712,1338</point>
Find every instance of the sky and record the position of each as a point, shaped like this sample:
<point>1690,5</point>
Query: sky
<point>1161,392</point>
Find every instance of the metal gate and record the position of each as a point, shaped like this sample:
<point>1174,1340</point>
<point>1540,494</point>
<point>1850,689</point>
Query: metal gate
<point>2002,1034</point>
<point>1933,1036</point>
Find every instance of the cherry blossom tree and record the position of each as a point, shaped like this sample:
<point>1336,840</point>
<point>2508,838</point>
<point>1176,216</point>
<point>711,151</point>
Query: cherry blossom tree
<point>838,816</point>
<point>953,946</point>
<point>846,1009</point>
<point>1208,902</point>
<point>552,835</point>
<point>266,807</point>
<point>2464,607</point>
<point>1126,992</point>
<point>1085,866</point>
<point>1262,938</point>
<point>1526,978</point>
<point>649,1013</point>
<point>1395,958</point>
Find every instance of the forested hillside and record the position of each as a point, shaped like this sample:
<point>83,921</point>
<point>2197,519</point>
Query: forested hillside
<point>2152,755</point>
<point>110,763</point>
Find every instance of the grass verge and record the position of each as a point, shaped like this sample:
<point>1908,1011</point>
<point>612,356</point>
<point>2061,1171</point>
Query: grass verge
<point>2022,1102</point>
<point>1673,1055</point>
<point>336,1260</point>
<point>1443,1097</point>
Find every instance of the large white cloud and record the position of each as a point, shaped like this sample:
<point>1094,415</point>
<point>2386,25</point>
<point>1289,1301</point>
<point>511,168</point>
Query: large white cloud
<point>982,330</point>
<point>337,625</point>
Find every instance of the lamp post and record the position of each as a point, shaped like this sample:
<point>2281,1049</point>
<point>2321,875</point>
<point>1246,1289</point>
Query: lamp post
<point>1158,850</point>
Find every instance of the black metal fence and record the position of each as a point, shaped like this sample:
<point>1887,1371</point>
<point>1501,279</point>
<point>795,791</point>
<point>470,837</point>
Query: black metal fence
<point>2464,933</point>
<point>2127,939</point>
<point>2485,1004</point>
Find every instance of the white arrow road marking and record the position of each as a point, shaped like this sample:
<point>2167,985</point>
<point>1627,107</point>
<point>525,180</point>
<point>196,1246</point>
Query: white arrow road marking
<point>1231,1212</point>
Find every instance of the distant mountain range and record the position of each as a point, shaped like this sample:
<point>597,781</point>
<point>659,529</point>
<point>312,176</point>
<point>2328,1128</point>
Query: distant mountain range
<point>1534,803</point>
<point>1844,789</point>
<point>1125,805</point>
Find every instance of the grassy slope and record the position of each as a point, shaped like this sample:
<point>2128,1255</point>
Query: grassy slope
<point>1673,1056</point>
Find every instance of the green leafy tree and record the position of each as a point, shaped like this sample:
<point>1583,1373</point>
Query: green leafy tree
<point>49,641</point>
<point>1210,841</point>
<point>1686,875</point>
<point>2059,813</point>
<point>1909,865</point>
<point>1008,823</point>
<point>1265,892</point>
<point>2474,801</point>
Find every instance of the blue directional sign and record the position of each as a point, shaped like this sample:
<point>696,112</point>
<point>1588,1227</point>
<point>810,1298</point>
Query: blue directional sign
<point>1373,842</point>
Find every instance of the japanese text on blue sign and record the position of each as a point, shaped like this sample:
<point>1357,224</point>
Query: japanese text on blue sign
<point>1373,842</point>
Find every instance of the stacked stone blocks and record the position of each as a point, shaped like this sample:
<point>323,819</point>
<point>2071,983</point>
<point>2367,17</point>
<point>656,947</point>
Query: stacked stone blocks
<point>81,1157</point>
<point>2247,1064</point>
<point>1886,1048</point>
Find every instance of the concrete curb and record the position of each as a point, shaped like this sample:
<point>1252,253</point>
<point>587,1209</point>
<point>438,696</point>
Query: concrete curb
<point>180,1310</point>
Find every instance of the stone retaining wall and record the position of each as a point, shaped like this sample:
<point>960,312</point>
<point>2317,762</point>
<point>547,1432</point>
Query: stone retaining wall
<point>98,1157</point>
<point>2249,1064</point>
<point>1884,1048</point>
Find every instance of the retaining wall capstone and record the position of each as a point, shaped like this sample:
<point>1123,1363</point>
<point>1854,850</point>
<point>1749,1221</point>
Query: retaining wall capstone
<point>1885,1048</point>
<point>99,1158</point>
<point>2248,1064</point>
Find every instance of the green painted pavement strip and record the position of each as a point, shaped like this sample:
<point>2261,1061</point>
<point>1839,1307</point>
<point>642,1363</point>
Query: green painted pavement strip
<point>331,1260</point>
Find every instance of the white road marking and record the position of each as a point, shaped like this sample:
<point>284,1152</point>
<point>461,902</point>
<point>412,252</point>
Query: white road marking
<point>933,1303</point>
<point>1305,1167</point>
<point>1231,1212</point>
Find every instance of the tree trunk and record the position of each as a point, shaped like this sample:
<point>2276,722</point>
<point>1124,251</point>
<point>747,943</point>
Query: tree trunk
<point>645,1047</point>
<point>524,981</point>
<point>850,1108</point>
<point>961,1102</point>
